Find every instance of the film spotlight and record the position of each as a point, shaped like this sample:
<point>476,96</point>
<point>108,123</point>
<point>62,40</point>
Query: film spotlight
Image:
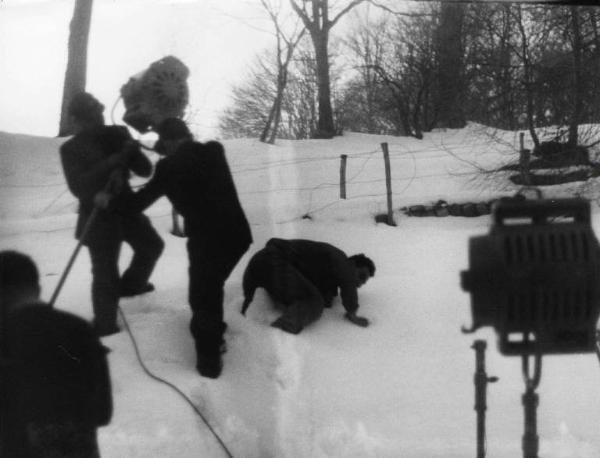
<point>534,278</point>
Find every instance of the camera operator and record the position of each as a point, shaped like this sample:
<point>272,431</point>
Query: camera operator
<point>100,158</point>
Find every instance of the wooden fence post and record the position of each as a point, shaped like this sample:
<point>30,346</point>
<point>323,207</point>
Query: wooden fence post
<point>524,157</point>
<point>388,184</point>
<point>343,176</point>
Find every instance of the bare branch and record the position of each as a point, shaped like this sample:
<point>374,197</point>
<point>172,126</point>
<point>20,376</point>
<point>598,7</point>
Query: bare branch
<point>301,13</point>
<point>397,13</point>
<point>344,11</point>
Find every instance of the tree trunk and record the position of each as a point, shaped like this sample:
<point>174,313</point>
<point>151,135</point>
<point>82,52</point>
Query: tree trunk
<point>265,132</point>
<point>318,24</point>
<point>270,132</point>
<point>417,114</point>
<point>276,120</point>
<point>75,75</point>
<point>450,62</point>
<point>505,76</point>
<point>528,84</point>
<point>578,89</point>
<point>325,124</point>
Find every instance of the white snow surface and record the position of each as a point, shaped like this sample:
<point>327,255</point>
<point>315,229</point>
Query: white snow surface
<point>403,387</point>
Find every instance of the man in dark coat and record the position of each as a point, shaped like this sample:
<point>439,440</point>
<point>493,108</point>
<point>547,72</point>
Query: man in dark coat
<point>54,384</point>
<point>100,158</point>
<point>196,178</point>
<point>303,276</point>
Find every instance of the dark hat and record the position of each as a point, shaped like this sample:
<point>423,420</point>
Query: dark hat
<point>84,106</point>
<point>172,129</point>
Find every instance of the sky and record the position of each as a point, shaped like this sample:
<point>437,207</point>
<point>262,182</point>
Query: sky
<point>216,39</point>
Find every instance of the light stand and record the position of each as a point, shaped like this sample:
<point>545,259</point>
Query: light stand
<point>534,279</point>
<point>530,400</point>
<point>481,380</point>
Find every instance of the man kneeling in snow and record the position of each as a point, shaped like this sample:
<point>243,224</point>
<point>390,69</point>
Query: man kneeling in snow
<point>303,276</point>
<point>54,380</point>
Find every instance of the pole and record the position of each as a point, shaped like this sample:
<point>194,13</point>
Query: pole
<point>88,224</point>
<point>388,184</point>
<point>521,141</point>
<point>110,187</point>
<point>481,380</point>
<point>524,157</point>
<point>344,157</point>
<point>530,400</point>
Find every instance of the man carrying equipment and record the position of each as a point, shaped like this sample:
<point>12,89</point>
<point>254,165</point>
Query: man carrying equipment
<point>196,178</point>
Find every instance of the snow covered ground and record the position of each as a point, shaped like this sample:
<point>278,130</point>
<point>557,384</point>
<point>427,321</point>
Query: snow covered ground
<point>402,387</point>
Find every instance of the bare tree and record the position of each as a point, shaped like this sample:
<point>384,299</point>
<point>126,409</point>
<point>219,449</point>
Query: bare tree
<point>578,90</point>
<point>253,97</point>
<point>285,50</point>
<point>366,43</point>
<point>301,100</point>
<point>528,82</point>
<point>493,89</point>
<point>315,16</point>
<point>396,59</point>
<point>248,113</point>
<point>75,75</point>
<point>450,65</point>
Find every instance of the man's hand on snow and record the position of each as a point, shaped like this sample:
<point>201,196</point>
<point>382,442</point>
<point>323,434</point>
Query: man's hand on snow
<point>357,320</point>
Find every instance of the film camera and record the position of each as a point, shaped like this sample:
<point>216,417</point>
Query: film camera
<point>156,93</point>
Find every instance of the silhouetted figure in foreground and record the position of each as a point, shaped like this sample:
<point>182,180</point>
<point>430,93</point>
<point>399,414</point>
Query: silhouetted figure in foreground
<point>54,384</point>
<point>303,277</point>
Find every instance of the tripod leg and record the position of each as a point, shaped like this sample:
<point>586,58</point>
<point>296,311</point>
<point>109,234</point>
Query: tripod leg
<point>88,224</point>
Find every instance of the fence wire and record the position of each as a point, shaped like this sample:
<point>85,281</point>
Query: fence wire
<point>359,161</point>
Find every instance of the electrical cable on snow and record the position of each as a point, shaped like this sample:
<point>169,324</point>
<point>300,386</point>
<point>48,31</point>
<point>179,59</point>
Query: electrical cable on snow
<point>90,221</point>
<point>170,385</point>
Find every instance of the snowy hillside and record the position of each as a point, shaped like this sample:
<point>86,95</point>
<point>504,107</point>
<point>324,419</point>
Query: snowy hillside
<point>402,387</point>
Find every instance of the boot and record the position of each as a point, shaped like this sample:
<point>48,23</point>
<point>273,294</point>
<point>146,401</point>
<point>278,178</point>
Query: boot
<point>103,330</point>
<point>127,291</point>
<point>287,326</point>
<point>209,366</point>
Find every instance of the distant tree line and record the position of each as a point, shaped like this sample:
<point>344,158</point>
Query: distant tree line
<point>505,65</point>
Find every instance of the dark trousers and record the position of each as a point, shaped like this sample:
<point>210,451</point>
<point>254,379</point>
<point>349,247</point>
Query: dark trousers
<point>209,268</point>
<point>104,246</point>
<point>299,298</point>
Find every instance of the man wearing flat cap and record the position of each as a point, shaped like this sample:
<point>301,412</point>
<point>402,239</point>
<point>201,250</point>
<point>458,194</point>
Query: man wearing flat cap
<point>196,179</point>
